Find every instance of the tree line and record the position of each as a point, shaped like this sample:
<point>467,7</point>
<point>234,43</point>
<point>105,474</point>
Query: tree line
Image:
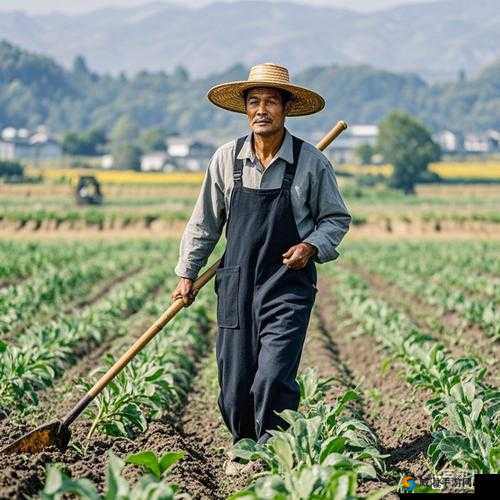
<point>35,90</point>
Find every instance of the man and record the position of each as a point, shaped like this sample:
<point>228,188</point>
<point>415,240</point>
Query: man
<point>280,200</point>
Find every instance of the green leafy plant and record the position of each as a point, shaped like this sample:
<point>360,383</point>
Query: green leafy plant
<point>153,464</point>
<point>152,485</point>
<point>464,408</point>
<point>46,350</point>
<point>320,445</point>
<point>315,482</point>
<point>312,388</point>
<point>157,379</point>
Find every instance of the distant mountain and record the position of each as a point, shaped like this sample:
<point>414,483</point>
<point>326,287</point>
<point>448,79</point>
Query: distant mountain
<point>435,39</point>
<point>34,90</point>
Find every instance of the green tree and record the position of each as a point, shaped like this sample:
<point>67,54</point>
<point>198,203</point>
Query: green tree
<point>86,144</point>
<point>364,153</point>
<point>96,139</point>
<point>71,143</point>
<point>10,169</point>
<point>181,74</point>
<point>153,139</point>
<point>127,157</point>
<point>124,148</point>
<point>125,131</point>
<point>408,146</point>
<point>80,66</point>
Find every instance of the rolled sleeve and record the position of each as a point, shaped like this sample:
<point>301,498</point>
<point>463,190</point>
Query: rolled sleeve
<point>204,228</point>
<point>329,211</point>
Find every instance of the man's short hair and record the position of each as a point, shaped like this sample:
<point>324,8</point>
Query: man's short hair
<point>285,95</point>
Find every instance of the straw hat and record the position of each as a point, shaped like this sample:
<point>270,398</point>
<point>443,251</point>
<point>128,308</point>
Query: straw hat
<point>230,95</point>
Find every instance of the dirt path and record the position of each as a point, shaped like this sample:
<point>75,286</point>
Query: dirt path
<point>201,432</point>
<point>76,304</point>
<point>25,475</point>
<point>468,340</point>
<point>388,404</point>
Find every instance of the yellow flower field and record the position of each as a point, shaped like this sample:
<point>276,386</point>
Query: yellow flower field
<point>476,170</point>
<point>119,176</point>
<point>448,170</point>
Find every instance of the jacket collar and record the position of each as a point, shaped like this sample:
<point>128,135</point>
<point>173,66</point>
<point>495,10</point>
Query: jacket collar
<point>285,151</point>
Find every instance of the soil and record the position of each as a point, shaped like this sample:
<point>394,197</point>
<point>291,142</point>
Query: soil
<point>388,405</point>
<point>174,229</point>
<point>205,438</point>
<point>11,282</point>
<point>75,306</point>
<point>460,338</point>
<point>400,232</point>
<point>102,290</point>
<point>200,472</point>
<point>171,230</point>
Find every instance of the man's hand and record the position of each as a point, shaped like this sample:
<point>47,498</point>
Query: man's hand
<point>185,291</point>
<point>298,256</point>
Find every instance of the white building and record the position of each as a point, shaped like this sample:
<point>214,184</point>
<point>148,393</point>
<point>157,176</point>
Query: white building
<point>485,142</point>
<point>476,143</point>
<point>22,144</point>
<point>178,147</point>
<point>15,150</point>
<point>189,154</point>
<point>107,161</point>
<point>450,142</point>
<point>344,147</point>
<point>154,162</point>
<point>493,138</point>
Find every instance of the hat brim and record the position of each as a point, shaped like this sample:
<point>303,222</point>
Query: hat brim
<point>230,96</point>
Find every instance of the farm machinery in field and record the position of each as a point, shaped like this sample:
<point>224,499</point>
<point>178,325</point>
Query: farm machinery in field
<point>88,191</point>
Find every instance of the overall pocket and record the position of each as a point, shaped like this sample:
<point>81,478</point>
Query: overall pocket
<point>227,283</point>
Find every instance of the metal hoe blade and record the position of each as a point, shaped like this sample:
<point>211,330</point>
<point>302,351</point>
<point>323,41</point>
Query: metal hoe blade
<point>51,434</point>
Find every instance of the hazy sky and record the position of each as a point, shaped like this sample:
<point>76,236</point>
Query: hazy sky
<point>85,5</point>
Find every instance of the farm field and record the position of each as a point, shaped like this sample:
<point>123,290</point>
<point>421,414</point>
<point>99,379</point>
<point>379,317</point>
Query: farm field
<point>481,170</point>
<point>399,375</point>
<point>458,210</point>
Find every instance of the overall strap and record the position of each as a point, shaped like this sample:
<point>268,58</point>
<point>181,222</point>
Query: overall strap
<point>292,167</point>
<point>238,163</point>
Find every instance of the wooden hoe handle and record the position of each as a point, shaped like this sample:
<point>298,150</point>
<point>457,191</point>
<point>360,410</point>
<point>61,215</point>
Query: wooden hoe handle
<point>160,323</point>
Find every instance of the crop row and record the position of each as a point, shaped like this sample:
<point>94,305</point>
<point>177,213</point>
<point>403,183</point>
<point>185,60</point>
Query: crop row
<point>464,408</point>
<point>88,218</point>
<point>102,219</point>
<point>324,449</point>
<point>461,218</point>
<point>447,286</point>
<point>19,260</point>
<point>151,485</point>
<point>156,380</point>
<point>322,453</point>
<point>434,220</point>
<point>49,292</point>
<point>474,268</point>
<point>46,350</point>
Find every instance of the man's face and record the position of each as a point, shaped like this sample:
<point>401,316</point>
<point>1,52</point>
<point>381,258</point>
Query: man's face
<point>265,110</point>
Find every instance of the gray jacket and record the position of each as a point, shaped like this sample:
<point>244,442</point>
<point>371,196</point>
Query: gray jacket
<point>319,210</point>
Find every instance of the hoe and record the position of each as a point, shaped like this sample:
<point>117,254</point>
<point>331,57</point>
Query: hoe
<point>57,433</point>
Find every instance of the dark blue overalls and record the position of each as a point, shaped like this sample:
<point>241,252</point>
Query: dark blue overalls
<point>263,307</point>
